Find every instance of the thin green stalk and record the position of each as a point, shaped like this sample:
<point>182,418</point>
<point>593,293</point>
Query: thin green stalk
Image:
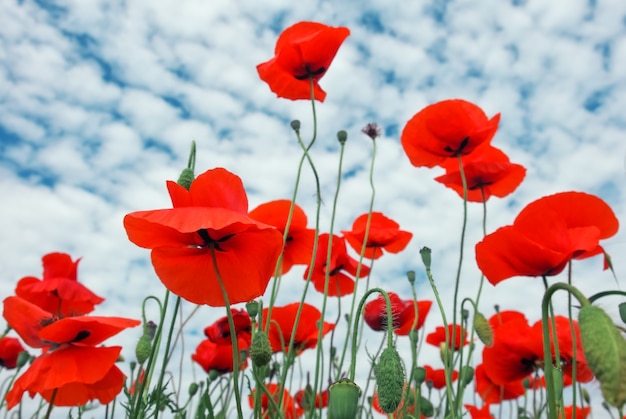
<point>233,334</point>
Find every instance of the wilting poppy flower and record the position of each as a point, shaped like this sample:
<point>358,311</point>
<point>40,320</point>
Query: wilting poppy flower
<point>219,332</point>
<point>72,370</point>
<point>491,392</point>
<point>282,322</point>
<point>384,234</point>
<point>303,52</point>
<point>437,377</point>
<point>290,410</point>
<point>438,337</point>
<point>546,235</point>
<point>299,243</point>
<point>517,351</point>
<point>476,413</point>
<point>340,283</point>
<point>304,399</point>
<point>10,349</point>
<point>488,172</point>
<point>402,311</point>
<point>209,221</point>
<point>568,412</point>
<point>58,291</point>
<point>444,130</point>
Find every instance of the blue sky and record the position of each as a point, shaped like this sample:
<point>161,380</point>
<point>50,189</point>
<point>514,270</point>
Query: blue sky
<point>100,100</point>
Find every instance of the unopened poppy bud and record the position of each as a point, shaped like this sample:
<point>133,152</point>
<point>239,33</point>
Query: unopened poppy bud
<point>414,337</point>
<point>410,275</point>
<point>213,375</point>
<point>622,312</point>
<point>445,354</point>
<point>143,348</point>
<point>425,253</point>
<point>343,399</point>
<point>483,329</point>
<point>295,125</point>
<point>260,350</point>
<point>342,136</point>
<point>252,307</point>
<point>605,351</point>
<point>466,375</point>
<point>426,407</point>
<point>22,359</point>
<point>419,375</point>
<point>193,389</point>
<point>390,379</point>
<point>186,178</point>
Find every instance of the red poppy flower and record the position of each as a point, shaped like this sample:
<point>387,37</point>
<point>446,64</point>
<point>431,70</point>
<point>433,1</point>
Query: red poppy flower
<point>438,337</point>
<point>340,283</point>
<point>10,349</point>
<point>59,291</point>
<point>299,243</point>
<point>209,218</point>
<point>305,401</point>
<point>290,410</point>
<point>384,233</point>
<point>476,413</point>
<point>488,172</point>
<point>282,322</point>
<point>568,412</point>
<point>517,351</point>
<point>546,235</point>
<point>491,392</point>
<point>403,312</point>
<point>72,369</point>
<point>446,130</point>
<point>303,51</point>
<point>219,332</point>
<point>219,356</point>
<point>437,377</point>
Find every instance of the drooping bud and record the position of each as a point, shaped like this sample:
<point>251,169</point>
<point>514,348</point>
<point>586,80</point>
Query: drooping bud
<point>390,379</point>
<point>342,137</point>
<point>260,349</point>
<point>605,351</point>
<point>425,252</point>
<point>343,399</point>
<point>22,359</point>
<point>483,329</point>
<point>467,375</point>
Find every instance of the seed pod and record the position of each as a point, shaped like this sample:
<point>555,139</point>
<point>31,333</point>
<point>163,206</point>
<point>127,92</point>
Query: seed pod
<point>605,351</point>
<point>390,379</point>
<point>343,399</point>
<point>260,350</point>
<point>483,329</point>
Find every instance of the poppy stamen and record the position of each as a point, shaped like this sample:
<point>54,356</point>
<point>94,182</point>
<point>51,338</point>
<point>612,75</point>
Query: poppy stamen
<point>459,150</point>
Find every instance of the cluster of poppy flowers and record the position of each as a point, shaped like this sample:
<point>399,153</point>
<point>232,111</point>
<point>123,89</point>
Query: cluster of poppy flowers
<point>211,250</point>
<point>51,314</point>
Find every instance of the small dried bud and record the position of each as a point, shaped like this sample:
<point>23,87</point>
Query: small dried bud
<point>260,350</point>
<point>372,130</point>
<point>150,329</point>
<point>390,379</point>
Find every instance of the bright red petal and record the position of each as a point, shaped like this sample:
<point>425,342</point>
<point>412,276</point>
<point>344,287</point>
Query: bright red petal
<point>59,265</point>
<point>85,330</point>
<point>407,316</point>
<point>27,320</point>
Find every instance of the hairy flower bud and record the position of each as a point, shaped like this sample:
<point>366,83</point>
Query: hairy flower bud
<point>143,348</point>
<point>260,350</point>
<point>483,329</point>
<point>605,350</point>
<point>390,379</point>
<point>186,178</point>
<point>343,399</point>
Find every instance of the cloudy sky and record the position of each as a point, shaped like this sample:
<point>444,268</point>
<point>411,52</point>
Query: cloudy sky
<point>100,100</point>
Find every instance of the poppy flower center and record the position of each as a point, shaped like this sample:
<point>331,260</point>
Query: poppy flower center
<point>459,150</point>
<point>310,73</point>
<point>83,334</point>
<point>210,242</point>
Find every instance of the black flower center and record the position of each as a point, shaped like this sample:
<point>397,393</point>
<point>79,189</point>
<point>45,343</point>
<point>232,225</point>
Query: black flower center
<point>458,151</point>
<point>210,242</point>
